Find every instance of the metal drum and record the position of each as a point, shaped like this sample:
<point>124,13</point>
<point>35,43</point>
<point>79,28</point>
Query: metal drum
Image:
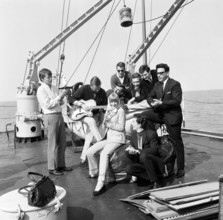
<point>27,116</point>
<point>125,17</point>
<point>14,206</point>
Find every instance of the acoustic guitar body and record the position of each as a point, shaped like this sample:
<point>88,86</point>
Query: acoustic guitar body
<point>76,113</point>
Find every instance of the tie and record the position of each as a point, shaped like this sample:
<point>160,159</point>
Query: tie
<point>161,87</point>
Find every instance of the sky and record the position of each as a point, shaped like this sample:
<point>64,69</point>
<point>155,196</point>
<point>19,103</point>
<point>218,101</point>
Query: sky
<point>193,48</point>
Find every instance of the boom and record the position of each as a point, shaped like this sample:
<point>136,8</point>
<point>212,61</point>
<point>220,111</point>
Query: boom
<point>60,38</point>
<point>153,35</point>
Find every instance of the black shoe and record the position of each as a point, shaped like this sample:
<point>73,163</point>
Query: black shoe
<point>180,173</point>
<point>55,172</point>
<point>84,164</point>
<point>92,177</point>
<point>97,193</point>
<point>64,169</point>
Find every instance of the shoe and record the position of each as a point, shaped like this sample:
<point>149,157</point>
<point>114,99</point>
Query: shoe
<point>99,192</point>
<point>180,173</point>
<point>84,164</point>
<point>64,169</point>
<point>92,177</point>
<point>55,172</point>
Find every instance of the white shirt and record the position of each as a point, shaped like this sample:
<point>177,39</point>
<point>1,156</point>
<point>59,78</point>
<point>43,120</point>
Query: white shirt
<point>48,98</point>
<point>164,83</point>
<point>121,79</point>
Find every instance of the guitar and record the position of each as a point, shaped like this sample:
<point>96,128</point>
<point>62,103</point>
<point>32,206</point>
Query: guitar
<point>76,112</point>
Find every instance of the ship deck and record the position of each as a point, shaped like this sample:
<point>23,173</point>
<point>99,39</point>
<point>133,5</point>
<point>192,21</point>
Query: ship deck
<point>203,161</point>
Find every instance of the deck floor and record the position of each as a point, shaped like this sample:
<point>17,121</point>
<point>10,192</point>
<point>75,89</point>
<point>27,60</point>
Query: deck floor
<point>203,161</point>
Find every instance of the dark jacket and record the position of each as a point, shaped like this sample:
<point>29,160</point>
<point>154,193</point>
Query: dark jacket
<point>144,92</point>
<point>85,92</point>
<point>150,141</point>
<point>149,84</point>
<point>115,80</point>
<point>171,98</point>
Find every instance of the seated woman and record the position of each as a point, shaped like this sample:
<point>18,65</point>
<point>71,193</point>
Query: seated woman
<point>114,122</point>
<point>143,150</point>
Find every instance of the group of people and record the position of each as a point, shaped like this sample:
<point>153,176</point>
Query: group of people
<point>163,97</point>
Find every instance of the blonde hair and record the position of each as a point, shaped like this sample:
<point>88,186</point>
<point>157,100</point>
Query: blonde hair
<point>113,97</point>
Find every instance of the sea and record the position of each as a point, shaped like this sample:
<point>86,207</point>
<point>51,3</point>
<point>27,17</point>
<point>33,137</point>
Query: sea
<point>202,110</point>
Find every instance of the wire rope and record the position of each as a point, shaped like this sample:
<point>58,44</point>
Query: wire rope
<point>167,34</point>
<point>150,28</point>
<point>61,29</point>
<point>199,102</point>
<point>140,22</point>
<point>130,32</point>
<point>99,42</point>
<point>89,48</point>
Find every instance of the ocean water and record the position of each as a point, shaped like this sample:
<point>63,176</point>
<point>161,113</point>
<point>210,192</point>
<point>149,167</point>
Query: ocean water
<point>203,110</point>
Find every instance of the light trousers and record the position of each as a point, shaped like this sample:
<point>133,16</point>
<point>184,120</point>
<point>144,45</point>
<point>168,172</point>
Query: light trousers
<point>105,149</point>
<point>56,141</point>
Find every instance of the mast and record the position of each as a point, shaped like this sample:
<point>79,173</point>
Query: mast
<point>144,30</point>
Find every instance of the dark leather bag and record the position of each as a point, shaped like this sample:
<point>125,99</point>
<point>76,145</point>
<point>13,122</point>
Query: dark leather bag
<point>165,149</point>
<point>41,193</point>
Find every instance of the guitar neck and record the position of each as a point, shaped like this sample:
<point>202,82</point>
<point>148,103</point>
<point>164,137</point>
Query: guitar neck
<point>98,107</point>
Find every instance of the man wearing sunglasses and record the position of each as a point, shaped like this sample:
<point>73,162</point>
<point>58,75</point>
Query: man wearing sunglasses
<point>165,100</point>
<point>121,77</point>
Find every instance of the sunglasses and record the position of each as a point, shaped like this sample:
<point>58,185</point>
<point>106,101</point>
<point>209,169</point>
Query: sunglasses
<point>160,73</point>
<point>120,71</point>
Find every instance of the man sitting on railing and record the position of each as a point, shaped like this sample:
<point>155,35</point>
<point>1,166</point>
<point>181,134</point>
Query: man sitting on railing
<point>85,93</point>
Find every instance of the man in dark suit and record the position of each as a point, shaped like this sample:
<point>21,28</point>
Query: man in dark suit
<point>121,77</point>
<point>165,100</point>
<point>149,77</point>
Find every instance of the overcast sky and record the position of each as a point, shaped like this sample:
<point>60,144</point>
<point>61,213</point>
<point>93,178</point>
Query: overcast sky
<point>193,49</point>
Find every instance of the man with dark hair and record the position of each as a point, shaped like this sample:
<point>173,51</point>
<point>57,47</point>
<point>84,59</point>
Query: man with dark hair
<point>121,77</point>
<point>139,92</point>
<point>165,100</point>
<point>50,101</point>
<point>85,93</point>
<point>123,93</point>
<point>149,77</point>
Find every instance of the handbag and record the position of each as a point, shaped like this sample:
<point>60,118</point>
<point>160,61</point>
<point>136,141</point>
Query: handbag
<point>165,149</point>
<point>41,193</point>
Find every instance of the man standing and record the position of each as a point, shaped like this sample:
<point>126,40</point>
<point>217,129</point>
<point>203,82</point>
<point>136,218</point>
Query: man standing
<point>149,77</point>
<point>50,101</point>
<point>85,93</point>
<point>165,100</point>
<point>139,91</point>
<point>121,77</point>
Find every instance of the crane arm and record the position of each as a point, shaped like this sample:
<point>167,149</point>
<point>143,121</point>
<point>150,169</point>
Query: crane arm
<point>60,38</point>
<point>154,33</point>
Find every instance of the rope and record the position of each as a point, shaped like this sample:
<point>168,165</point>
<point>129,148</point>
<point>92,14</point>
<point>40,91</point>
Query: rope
<point>151,11</point>
<point>68,13</point>
<point>58,64</point>
<point>88,50</point>
<point>130,32</point>
<point>167,33</point>
<point>110,13</point>
<point>140,22</point>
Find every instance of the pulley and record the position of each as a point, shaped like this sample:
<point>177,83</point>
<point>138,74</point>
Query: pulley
<point>125,15</point>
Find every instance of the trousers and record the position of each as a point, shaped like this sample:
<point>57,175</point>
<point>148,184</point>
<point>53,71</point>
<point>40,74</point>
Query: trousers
<point>146,166</point>
<point>100,167</point>
<point>91,133</point>
<point>174,133</point>
<point>56,141</point>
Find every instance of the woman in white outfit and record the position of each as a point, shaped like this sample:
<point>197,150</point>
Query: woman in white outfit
<point>114,123</point>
